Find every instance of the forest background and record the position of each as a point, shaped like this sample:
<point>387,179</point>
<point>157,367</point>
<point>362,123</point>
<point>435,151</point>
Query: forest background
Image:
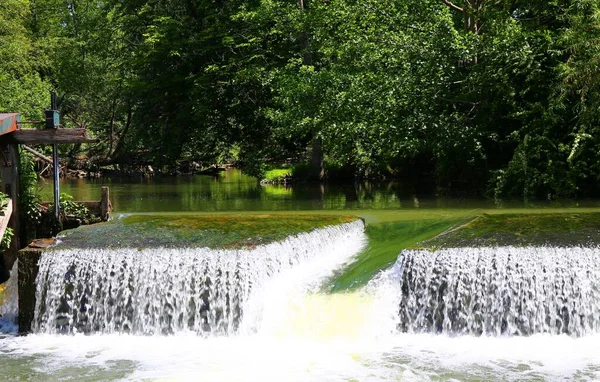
<point>493,97</point>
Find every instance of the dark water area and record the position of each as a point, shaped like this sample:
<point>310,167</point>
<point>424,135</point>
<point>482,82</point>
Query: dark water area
<point>233,191</point>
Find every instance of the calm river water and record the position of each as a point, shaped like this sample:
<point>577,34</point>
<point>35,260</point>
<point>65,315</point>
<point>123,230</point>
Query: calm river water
<point>234,191</point>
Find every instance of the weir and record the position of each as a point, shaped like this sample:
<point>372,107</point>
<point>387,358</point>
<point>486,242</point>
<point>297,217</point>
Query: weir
<point>503,291</point>
<point>518,313</point>
<point>171,290</point>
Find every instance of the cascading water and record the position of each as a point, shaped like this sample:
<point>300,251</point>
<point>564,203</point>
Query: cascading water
<point>466,314</point>
<point>499,291</point>
<point>167,291</point>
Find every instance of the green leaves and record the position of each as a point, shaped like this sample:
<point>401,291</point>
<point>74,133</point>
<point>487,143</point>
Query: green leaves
<point>500,94</point>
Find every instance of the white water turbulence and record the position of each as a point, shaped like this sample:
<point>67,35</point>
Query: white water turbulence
<point>504,291</point>
<point>9,303</point>
<point>289,331</point>
<point>162,291</point>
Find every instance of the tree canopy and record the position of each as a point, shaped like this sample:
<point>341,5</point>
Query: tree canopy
<point>487,97</point>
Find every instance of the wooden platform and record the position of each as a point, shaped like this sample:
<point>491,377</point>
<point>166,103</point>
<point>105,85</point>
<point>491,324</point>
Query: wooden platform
<point>47,136</point>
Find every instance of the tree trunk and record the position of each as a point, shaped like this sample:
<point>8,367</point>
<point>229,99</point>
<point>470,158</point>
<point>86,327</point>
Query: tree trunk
<point>317,172</point>
<point>471,13</point>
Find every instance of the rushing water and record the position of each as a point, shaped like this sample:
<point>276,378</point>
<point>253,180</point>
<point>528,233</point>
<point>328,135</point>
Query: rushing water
<point>168,291</point>
<point>501,291</point>
<point>9,304</point>
<point>287,330</point>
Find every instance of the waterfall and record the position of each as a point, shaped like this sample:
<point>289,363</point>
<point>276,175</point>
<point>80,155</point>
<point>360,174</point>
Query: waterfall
<point>166,291</point>
<point>498,291</point>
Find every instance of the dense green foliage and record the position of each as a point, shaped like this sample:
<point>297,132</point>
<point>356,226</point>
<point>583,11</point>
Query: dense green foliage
<point>30,212</point>
<point>481,96</point>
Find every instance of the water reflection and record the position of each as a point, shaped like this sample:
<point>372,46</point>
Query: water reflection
<point>234,191</point>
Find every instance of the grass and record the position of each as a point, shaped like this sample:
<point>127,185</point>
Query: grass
<point>277,190</point>
<point>564,229</point>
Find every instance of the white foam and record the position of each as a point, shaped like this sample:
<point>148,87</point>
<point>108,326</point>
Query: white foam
<point>264,357</point>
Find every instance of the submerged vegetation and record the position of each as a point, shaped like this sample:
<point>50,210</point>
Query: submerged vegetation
<point>222,231</point>
<point>390,235</point>
<point>566,229</point>
<point>386,241</point>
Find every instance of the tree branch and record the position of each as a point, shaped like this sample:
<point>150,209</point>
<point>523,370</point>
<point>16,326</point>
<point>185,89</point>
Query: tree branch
<point>453,6</point>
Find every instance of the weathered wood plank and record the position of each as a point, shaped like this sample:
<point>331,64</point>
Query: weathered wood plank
<point>28,270</point>
<point>48,136</point>
<point>105,206</point>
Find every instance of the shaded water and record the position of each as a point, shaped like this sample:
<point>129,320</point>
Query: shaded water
<point>230,191</point>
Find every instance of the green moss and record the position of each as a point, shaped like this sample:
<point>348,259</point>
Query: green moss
<point>386,240</point>
<point>213,231</point>
<point>2,290</point>
<point>562,229</point>
<point>388,231</point>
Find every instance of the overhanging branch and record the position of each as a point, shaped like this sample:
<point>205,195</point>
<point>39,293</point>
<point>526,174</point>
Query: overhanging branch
<point>453,6</point>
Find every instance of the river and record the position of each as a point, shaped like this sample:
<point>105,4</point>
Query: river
<point>284,325</point>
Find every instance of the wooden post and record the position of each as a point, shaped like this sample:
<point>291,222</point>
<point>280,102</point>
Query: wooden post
<point>105,206</point>
<point>9,174</point>
<point>28,271</point>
